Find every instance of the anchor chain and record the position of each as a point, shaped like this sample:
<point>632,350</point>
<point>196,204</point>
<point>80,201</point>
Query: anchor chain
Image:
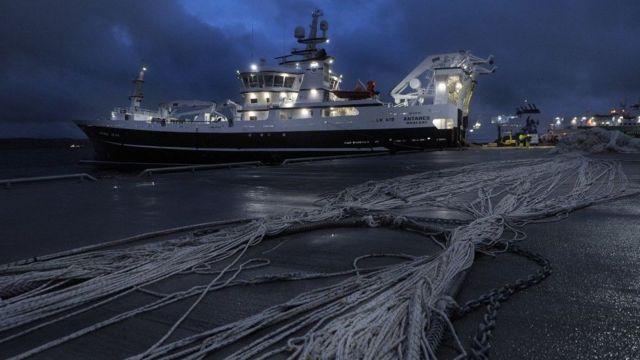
<point>493,299</point>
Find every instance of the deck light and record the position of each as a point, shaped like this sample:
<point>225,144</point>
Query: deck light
<point>314,64</point>
<point>313,92</point>
<point>254,67</point>
<point>442,86</point>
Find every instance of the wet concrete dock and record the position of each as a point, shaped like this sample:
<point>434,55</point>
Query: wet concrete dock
<point>588,308</point>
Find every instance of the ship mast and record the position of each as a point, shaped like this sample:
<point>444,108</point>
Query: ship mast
<point>138,84</point>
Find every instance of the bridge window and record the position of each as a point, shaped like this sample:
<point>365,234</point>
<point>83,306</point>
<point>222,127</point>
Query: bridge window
<point>253,81</point>
<point>268,80</point>
<point>288,81</point>
<point>278,81</point>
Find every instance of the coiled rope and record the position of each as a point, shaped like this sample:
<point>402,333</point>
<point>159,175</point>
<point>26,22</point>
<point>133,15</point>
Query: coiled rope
<point>381,313</point>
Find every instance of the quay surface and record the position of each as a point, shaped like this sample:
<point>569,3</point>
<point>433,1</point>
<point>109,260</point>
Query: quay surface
<point>588,308</point>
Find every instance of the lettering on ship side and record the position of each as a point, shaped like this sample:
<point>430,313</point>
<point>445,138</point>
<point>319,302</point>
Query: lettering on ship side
<point>416,120</point>
<point>108,134</point>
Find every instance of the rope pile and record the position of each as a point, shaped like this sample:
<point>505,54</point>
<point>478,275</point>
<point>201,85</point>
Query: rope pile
<point>384,313</point>
<point>598,140</point>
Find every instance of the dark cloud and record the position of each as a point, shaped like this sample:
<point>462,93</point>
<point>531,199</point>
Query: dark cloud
<point>73,58</point>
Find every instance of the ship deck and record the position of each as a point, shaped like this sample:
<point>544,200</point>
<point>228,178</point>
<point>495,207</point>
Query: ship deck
<point>588,308</point>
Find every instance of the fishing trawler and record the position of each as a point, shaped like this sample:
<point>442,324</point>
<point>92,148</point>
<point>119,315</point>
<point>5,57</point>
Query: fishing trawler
<point>297,108</point>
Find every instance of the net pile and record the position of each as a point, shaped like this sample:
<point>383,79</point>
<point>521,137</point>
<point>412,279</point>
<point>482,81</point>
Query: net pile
<point>383,313</point>
<point>598,140</point>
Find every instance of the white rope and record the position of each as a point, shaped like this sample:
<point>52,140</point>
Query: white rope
<point>381,314</point>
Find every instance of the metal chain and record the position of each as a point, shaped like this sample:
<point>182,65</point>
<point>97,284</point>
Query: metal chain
<point>493,299</point>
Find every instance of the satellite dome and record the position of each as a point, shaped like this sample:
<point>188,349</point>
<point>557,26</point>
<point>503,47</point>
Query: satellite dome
<point>415,83</point>
<point>324,25</point>
<point>299,32</point>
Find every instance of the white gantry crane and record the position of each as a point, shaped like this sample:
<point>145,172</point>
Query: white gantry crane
<point>441,79</point>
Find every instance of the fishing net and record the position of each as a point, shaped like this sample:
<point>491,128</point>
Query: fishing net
<point>388,312</point>
<point>598,140</point>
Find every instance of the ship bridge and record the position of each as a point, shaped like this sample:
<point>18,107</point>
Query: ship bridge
<point>301,78</point>
<point>264,87</point>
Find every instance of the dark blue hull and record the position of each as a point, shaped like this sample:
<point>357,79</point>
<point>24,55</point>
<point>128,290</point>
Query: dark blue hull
<point>118,144</point>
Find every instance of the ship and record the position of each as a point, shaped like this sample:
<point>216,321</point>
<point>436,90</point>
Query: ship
<point>297,108</point>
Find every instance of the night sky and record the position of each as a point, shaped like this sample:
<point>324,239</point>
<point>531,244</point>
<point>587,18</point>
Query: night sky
<point>62,60</point>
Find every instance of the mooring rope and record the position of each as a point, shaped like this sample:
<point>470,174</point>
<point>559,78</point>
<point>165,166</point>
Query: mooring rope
<point>383,313</point>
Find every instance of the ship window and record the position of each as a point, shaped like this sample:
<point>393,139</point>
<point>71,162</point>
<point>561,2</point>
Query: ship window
<point>341,111</point>
<point>268,80</point>
<point>254,101</point>
<point>245,80</point>
<point>268,100</point>
<point>253,117</point>
<point>288,82</point>
<point>285,114</point>
<point>304,113</point>
<point>278,81</point>
<point>253,81</point>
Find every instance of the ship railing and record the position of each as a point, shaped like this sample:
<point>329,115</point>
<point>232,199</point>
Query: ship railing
<point>194,168</point>
<point>126,110</point>
<point>81,177</point>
